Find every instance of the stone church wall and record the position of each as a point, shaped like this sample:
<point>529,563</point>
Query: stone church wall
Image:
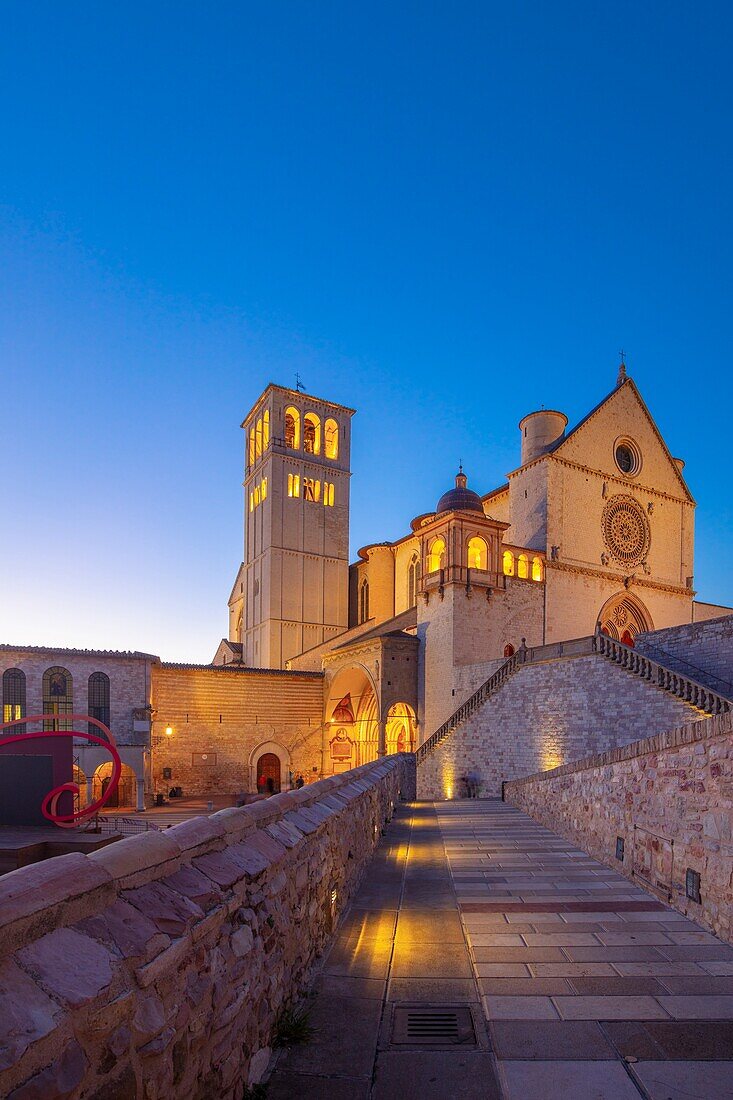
<point>545,715</point>
<point>158,966</point>
<point>222,718</point>
<point>670,799</point>
<point>702,651</point>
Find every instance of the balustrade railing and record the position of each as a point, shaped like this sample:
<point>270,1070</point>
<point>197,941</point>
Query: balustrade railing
<point>690,691</point>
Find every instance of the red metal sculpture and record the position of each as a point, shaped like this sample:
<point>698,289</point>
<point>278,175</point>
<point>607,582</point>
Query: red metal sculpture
<point>50,802</point>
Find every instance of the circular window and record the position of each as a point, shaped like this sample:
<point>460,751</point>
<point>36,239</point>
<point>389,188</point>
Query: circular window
<point>628,456</point>
<point>626,530</point>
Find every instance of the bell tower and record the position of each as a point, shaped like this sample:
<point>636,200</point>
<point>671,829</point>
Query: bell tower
<point>296,525</point>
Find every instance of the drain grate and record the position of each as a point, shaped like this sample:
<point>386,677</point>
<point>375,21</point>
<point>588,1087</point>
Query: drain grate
<point>432,1026</point>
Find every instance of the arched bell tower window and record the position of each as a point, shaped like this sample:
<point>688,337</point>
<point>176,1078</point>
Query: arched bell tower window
<point>258,438</point>
<point>331,438</point>
<point>292,429</point>
<point>98,700</point>
<point>58,698</point>
<point>478,553</point>
<point>364,601</point>
<point>311,434</point>
<point>436,555</point>
<point>266,430</point>
<point>14,697</point>
<point>251,456</point>
<point>413,580</point>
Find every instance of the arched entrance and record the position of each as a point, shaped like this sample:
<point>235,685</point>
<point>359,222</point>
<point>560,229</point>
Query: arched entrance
<point>268,774</point>
<point>126,793</point>
<point>623,617</point>
<point>401,727</point>
<point>352,719</point>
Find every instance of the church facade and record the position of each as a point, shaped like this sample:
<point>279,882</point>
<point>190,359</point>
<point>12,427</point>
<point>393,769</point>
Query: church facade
<point>594,528</point>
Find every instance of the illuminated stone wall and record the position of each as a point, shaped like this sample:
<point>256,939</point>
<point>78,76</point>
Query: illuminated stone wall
<point>668,797</point>
<point>223,718</point>
<point>159,965</point>
<point>547,714</point>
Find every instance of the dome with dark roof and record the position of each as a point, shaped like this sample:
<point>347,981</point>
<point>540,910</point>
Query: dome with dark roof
<point>460,499</point>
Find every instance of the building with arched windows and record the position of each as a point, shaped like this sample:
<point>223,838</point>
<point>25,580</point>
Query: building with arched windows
<point>593,527</point>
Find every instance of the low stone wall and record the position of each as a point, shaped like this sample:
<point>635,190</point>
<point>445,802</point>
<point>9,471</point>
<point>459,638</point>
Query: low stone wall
<point>669,798</point>
<point>158,966</point>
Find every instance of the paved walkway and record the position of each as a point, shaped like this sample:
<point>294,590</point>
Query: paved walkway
<point>578,985</point>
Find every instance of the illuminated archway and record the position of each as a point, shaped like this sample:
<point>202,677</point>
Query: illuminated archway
<point>507,563</point>
<point>624,614</point>
<point>351,734</point>
<point>401,728</point>
<point>478,553</point>
<point>292,428</point>
<point>331,438</point>
<point>126,793</point>
<point>436,555</point>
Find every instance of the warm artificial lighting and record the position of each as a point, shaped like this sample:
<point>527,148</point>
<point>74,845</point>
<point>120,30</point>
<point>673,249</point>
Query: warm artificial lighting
<point>168,731</point>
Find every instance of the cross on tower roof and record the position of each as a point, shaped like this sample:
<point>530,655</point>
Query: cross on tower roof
<point>621,368</point>
<point>299,387</point>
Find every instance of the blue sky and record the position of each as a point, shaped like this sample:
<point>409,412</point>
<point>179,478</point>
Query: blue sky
<point>442,215</point>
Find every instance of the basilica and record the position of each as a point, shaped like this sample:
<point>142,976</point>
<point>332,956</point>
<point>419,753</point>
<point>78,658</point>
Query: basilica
<point>329,664</point>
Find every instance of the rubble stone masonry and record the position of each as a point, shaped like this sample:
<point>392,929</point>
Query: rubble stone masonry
<point>669,798</point>
<point>158,966</point>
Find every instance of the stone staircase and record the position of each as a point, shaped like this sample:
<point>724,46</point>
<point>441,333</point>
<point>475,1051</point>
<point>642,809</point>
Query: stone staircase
<point>671,681</point>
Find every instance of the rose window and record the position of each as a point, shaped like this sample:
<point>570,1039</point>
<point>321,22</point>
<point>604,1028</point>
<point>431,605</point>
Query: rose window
<point>626,530</point>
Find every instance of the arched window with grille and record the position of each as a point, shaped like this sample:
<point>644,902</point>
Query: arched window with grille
<point>364,601</point>
<point>292,429</point>
<point>413,580</point>
<point>98,700</point>
<point>258,438</point>
<point>266,430</point>
<point>312,434</point>
<point>58,698</point>
<point>14,697</point>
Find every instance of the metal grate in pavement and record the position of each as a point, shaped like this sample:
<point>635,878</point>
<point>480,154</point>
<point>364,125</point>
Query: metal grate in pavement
<point>432,1026</point>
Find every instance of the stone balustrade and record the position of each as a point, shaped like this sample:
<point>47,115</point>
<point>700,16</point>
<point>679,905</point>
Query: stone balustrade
<point>654,809</point>
<point>159,965</point>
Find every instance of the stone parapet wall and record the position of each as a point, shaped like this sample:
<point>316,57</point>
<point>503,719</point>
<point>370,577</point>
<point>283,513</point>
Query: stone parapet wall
<point>703,651</point>
<point>668,797</point>
<point>549,713</point>
<point>159,965</point>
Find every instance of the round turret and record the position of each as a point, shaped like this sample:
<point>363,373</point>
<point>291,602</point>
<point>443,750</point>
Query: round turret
<point>540,430</point>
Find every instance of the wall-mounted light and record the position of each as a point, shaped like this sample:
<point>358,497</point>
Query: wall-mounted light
<point>168,731</point>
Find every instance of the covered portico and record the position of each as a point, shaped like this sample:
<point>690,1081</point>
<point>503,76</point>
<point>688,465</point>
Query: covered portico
<point>370,699</point>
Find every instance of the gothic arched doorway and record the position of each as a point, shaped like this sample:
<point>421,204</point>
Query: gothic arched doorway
<point>623,617</point>
<point>268,773</point>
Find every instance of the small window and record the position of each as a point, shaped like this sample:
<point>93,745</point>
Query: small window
<point>507,563</point>
<point>478,553</point>
<point>292,429</point>
<point>364,601</point>
<point>293,485</point>
<point>413,580</point>
<point>628,456</point>
<point>311,489</point>
<point>523,567</point>
<point>251,447</point>
<point>331,438</point>
<point>264,488</point>
<point>509,650</point>
<point>14,697</point>
<point>436,556</point>
<point>312,434</point>
<point>536,569</point>
<point>98,701</point>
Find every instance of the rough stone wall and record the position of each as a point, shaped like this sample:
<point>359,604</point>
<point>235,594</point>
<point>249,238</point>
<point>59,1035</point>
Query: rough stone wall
<point>230,716</point>
<point>702,651</point>
<point>669,797</point>
<point>158,966</point>
<point>548,714</point>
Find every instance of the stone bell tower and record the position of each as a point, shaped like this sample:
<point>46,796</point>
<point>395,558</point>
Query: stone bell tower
<point>294,580</point>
